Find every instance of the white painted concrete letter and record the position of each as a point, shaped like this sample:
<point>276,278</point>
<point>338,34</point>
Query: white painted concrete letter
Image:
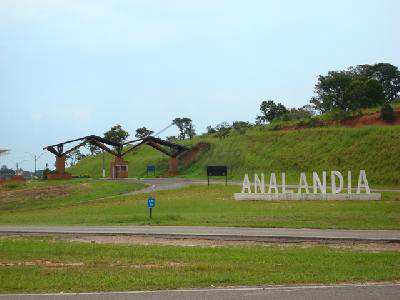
<point>246,184</point>
<point>334,174</point>
<point>284,190</point>
<point>363,183</point>
<point>348,182</point>
<point>317,183</point>
<point>273,184</point>
<point>259,184</point>
<point>303,183</point>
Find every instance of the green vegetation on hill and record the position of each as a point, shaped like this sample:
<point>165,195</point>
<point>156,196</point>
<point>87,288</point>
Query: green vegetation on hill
<point>374,148</point>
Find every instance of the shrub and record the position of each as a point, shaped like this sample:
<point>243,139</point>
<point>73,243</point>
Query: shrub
<point>387,113</point>
<point>45,173</point>
<point>13,185</point>
<point>310,122</point>
<point>275,126</point>
<point>339,115</point>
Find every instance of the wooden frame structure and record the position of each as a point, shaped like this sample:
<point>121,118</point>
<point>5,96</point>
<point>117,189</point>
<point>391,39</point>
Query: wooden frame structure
<point>119,167</point>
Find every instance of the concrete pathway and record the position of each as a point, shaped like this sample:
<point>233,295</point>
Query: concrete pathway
<point>223,233</point>
<point>341,291</point>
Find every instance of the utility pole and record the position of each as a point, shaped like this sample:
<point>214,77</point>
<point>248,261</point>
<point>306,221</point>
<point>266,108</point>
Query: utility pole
<point>35,158</point>
<point>104,165</point>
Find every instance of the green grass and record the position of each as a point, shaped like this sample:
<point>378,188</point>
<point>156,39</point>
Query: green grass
<point>57,193</point>
<point>374,148</point>
<point>120,267</point>
<point>214,206</point>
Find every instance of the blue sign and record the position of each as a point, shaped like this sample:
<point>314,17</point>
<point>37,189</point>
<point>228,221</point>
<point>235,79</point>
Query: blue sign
<point>151,202</point>
<point>151,168</point>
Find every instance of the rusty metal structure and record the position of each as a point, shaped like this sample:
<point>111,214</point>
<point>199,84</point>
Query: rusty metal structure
<point>119,167</point>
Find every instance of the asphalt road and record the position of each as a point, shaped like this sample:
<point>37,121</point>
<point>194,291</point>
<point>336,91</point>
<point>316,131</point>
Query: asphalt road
<point>343,291</point>
<point>227,233</point>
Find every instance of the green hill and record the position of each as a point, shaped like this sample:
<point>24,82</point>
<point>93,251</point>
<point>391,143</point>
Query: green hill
<point>375,149</point>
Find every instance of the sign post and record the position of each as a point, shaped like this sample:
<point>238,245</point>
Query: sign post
<point>217,171</point>
<point>151,202</point>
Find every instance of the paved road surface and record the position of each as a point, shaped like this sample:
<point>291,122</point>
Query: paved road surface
<point>343,291</point>
<point>227,233</point>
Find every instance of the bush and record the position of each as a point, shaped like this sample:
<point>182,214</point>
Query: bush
<point>310,122</point>
<point>13,185</point>
<point>81,176</point>
<point>275,126</point>
<point>387,113</point>
<point>45,173</point>
<point>339,115</point>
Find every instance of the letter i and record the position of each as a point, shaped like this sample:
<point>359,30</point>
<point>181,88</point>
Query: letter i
<point>349,182</point>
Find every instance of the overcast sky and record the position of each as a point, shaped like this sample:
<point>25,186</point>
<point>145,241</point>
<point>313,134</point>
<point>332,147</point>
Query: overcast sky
<point>70,68</point>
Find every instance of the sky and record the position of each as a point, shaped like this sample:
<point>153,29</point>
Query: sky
<point>70,68</point>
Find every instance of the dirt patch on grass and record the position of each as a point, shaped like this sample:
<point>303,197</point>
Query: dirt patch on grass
<point>39,193</point>
<point>41,263</point>
<point>171,264</point>
<point>142,240</point>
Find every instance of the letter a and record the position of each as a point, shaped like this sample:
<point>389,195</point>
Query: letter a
<point>303,183</point>
<point>363,183</point>
<point>272,184</point>
<point>259,184</point>
<point>246,184</point>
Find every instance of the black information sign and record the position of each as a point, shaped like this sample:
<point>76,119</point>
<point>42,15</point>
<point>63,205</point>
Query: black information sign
<point>217,171</point>
<point>151,169</point>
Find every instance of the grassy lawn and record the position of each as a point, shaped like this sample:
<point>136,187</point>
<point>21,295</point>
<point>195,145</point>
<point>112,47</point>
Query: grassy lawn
<point>58,193</point>
<point>43,265</point>
<point>214,206</point>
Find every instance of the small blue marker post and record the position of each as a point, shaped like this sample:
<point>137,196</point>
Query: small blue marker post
<point>151,202</point>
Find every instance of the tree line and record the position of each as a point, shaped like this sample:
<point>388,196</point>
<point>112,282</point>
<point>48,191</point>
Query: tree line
<point>341,93</point>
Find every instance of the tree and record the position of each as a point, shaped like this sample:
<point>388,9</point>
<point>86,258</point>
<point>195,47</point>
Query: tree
<point>330,90</point>
<point>93,149</point>
<point>270,111</point>
<point>222,130</point>
<point>143,132</point>
<point>387,113</point>
<point>171,138</point>
<point>357,87</point>
<point>260,120</point>
<point>241,126</point>
<point>304,112</point>
<point>185,127</point>
<point>6,172</point>
<point>189,131</point>
<point>386,74</point>
<point>210,130</point>
<point>116,134</point>
<point>364,93</point>
<point>75,156</point>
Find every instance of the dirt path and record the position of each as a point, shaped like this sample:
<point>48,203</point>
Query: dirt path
<point>198,242</point>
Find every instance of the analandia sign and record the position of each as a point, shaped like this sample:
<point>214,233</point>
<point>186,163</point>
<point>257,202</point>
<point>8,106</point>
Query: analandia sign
<point>340,188</point>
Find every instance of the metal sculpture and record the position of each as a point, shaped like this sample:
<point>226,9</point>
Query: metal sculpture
<point>118,168</point>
